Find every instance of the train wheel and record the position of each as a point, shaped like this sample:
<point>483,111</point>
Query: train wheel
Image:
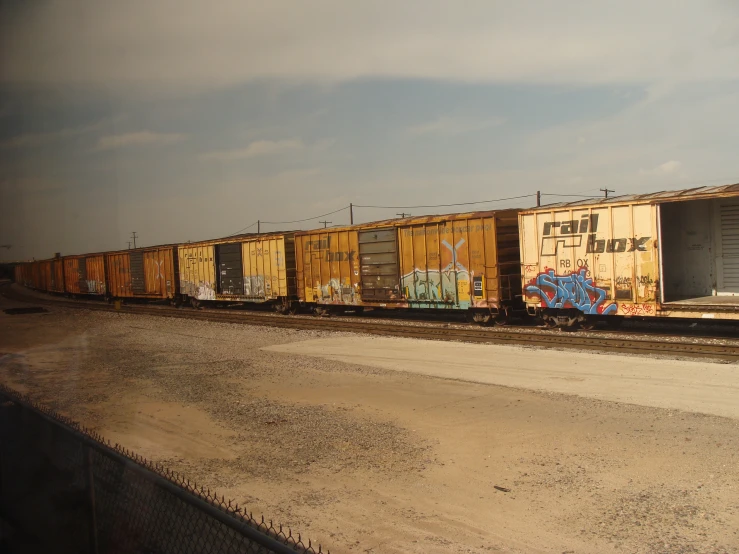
<point>195,303</point>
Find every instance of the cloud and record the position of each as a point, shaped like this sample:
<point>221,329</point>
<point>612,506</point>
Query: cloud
<point>455,125</point>
<point>667,168</point>
<point>32,140</point>
<point>138,43</point>
<point>140,138</point>
<point>255,149</point>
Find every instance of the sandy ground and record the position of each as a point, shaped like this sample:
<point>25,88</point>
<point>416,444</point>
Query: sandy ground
<point>348,440</point>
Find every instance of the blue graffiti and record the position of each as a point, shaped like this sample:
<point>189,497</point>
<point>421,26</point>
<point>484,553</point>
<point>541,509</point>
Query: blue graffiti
<point>574,290</point>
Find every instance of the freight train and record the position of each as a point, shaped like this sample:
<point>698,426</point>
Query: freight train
<point>575,264</point>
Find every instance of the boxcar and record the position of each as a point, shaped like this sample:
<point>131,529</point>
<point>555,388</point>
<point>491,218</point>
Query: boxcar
<point>147,273</point>
<point>84,274</point>
<point>23,275</point>
<point>55,282</point>
<point>244,269</point>
<point>667,254</point>
<point>462,261</point>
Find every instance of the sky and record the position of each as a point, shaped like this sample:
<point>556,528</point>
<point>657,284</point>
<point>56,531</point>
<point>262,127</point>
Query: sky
<point>188,121</point>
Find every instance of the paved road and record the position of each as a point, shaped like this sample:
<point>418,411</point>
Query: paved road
<point>696,386</point>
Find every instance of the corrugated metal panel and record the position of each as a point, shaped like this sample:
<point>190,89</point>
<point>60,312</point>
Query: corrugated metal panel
<point>119,274</point>
<point>57,276</point>
<point>328,266</point>
<point>143,273</point>
<point>461,263</point>
<point>265,268</point>
<point>197,271</point>
<point>729,213</point>
<point>84,274</point>
<point>598,259</point>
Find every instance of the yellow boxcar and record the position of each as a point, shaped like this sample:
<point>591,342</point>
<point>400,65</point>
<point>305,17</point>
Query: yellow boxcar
<point>459,261</point>
<point>253,268</point>
<point>142,273</point>
<point>84,274</point>
<point>669,254</point>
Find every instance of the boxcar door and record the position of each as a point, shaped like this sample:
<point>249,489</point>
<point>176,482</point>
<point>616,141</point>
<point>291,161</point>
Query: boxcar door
<point>729,224</point>
<point>230,269</point>
<point>378,257</point>
<point>138,277</point>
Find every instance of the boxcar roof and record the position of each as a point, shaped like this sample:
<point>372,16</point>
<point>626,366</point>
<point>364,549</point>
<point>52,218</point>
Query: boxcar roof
<point>418,220</point>
<point>699,193</point>
<point>237,238</point>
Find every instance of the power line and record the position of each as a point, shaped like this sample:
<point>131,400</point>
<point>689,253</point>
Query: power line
<point>448,205</point>
<point>308,218</point>
<point>242,230</point>
<point>569,195</point>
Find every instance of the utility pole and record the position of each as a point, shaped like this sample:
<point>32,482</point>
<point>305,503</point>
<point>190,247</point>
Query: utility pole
<point>325,223</point>
<point>129,245</point>
<point>606,191</point>
<point>403,214</point>
<point>258,225</point>
<point>538,198</point>
<point>351,213</point>
<point>133,236</point>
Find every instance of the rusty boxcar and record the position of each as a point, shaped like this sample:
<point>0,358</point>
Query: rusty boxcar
<point>464,261</point>
<point>667,254</point>
<point>24,274</point>
<point>244,269</point>
<point>84,274</point>
<point>147,273</point>
<point>55,282</point>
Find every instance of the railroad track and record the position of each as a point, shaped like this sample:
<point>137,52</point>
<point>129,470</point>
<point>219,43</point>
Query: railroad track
<point>607,342</point>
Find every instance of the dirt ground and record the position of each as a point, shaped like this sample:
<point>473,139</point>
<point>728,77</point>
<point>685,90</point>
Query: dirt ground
<point>367,459</point>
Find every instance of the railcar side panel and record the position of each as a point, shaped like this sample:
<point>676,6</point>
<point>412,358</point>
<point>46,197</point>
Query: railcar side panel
<point>600,260</point>
<point>328,267</point>
<point>144,273</point>
<point>269,268</point>
<point>197,271</point>
<point>56,283</point>
<point>84,274</point>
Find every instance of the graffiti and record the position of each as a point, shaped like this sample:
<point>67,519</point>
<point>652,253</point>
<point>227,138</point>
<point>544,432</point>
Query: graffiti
<point>254,285</point>
<point>637,309</point>
<point>203,290</point>
<point>337,293</point>
<point>438,285</point>
<point>572,232</point>
<point>616,245</point>
<point>575,290</point>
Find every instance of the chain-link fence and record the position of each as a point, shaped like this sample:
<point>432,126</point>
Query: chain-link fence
<point>64,490</point>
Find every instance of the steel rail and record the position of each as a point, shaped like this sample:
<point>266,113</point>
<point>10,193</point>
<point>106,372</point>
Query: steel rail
<point>605,343</point>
